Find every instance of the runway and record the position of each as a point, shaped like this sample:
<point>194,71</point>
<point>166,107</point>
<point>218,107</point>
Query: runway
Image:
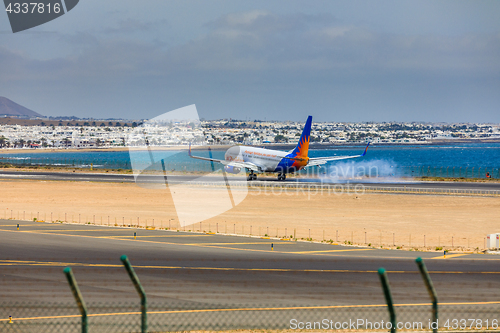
<point>262,181</point>
<point>182,270</point>
<point>196,281</point>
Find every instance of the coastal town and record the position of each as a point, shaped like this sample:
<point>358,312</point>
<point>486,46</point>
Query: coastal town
<point>22,128</point>
<point>119,133</point>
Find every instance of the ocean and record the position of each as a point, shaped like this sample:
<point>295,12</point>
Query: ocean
<point>453,160</point>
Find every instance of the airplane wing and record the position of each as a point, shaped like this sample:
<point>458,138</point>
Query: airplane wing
<point>248,165</point>
<point>324,160</point>
<point>292,158</point>
<point>236,164</point>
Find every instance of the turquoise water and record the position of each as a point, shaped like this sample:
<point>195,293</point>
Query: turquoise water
<point>464,160</point>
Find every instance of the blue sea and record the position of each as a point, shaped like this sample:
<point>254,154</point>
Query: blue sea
<point>459,160</point>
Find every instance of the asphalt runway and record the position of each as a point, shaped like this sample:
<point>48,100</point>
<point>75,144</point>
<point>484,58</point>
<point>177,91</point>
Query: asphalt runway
<point>185,270</point>
<point>262,180</point>
<point>205,261</point>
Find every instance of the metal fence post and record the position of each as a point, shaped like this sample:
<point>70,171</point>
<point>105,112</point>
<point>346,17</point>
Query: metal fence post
<point>388,297</point>
<point>78,297</point>
<point>431,290</point>
<point>140,291</point>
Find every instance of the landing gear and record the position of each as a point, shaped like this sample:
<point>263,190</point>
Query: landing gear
<point>252,176</point>
<point>281,176</point>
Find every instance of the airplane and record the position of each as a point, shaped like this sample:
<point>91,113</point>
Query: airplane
<point>260,160</point>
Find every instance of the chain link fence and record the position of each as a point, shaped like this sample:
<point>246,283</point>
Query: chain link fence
<point>202,298</point>
<point>165,317</point>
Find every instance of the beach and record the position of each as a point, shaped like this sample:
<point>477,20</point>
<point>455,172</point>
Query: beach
<point>387,220</point>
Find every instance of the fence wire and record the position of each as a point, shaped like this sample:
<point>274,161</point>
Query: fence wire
<point>166,317</point>
<point>196,295</point>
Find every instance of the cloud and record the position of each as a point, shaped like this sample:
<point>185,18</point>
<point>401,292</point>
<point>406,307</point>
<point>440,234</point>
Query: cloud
<point>259,40</point>
<point>243,19</point>
<point>132,26</point>
<point>263,41</point>
<point>259,57</point>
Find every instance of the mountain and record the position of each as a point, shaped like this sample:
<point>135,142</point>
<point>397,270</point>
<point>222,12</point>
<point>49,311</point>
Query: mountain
<point>9,108</point>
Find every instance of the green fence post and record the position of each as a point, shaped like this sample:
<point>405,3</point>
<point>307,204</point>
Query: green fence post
<point>388,297</point>
<point>78,297</point>
<point>431,290</point>
<point>140,290</point>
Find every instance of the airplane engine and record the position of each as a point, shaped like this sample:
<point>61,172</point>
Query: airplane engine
<point>231,169</point>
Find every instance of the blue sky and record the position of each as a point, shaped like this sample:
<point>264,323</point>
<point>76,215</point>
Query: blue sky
<point>435,61</point>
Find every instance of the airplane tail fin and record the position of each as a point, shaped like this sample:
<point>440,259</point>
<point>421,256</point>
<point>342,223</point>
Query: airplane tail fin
<point>366,149</point>
<point>302,148</point>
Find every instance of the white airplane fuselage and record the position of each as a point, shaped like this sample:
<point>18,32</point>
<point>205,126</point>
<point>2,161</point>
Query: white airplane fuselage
<point>268,160</point>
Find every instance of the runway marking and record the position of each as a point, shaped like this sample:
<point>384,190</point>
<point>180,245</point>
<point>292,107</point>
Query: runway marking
<point>62,230</point>
<point>130,239</point>
<point>52,263</point>
<point>65,264</point>
<point>313,252</point>
<point>142,236</point>
<point>358,306</point>
<point>99,230</point>
<point>256,243</point>
<point>451,256</point>
<point>54,232</point>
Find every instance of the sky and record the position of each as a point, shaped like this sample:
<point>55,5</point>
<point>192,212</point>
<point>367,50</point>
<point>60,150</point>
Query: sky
<point>346,61</point>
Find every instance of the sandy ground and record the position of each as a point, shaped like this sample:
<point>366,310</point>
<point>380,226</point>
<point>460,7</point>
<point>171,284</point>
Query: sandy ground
<point>381,218</point>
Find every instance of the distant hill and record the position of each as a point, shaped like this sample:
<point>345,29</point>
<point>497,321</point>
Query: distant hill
<point>79,123</point>
<point>9,108</point>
